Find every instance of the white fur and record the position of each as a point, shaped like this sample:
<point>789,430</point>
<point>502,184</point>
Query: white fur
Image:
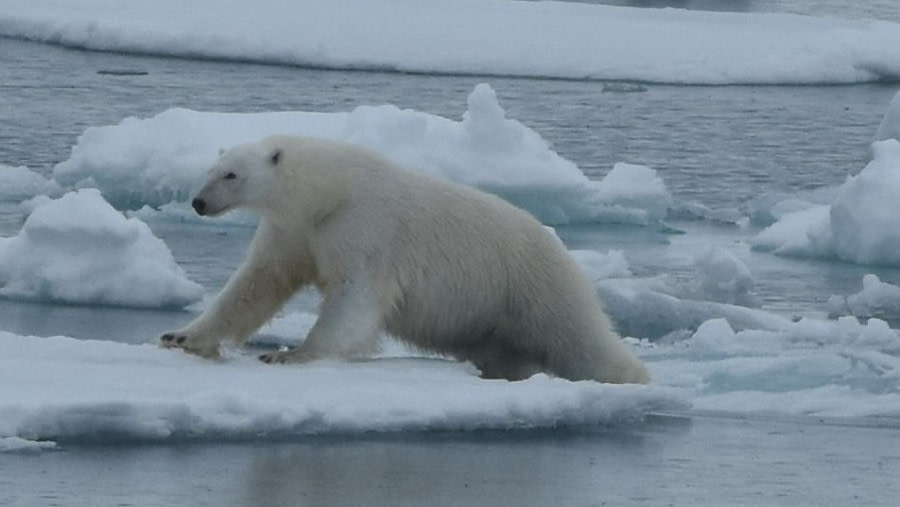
<point>440,266</point>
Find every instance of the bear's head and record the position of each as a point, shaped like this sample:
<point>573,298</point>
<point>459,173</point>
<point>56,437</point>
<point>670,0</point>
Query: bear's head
<point>244,177</point>
<point>284,178</point>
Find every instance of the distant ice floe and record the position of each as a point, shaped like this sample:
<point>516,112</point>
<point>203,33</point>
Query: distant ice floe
<point>538,39</point>
<point>78,249</point>
<point>162,159</point>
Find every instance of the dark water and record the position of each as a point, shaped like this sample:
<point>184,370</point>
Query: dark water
<point>663,462</point>
<point>859,9</point>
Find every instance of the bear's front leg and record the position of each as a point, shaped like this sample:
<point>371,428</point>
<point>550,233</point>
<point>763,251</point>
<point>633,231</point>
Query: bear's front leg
<point>348,327</point>
<point>256,291</point>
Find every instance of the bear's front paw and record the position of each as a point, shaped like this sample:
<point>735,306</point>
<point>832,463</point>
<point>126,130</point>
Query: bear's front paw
<point>287,356</point>
<point>191,344</point>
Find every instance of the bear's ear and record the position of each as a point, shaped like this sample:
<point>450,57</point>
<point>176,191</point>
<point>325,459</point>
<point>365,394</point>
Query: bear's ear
<point>275,157</point>
<point>221,151</point>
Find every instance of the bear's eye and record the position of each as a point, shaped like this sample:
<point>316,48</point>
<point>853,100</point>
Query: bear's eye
<point>230,176</point>
<point>275,157</point>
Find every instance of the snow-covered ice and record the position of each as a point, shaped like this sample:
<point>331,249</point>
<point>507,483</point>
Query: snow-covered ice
<point>538,39</point>
<point>59,388</point>
<point>78,249</point>
<point>161,159</point>
<point>62,389</point>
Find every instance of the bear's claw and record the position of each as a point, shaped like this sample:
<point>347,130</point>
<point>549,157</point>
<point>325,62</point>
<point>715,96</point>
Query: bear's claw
<point>171,339</point>
<point>275,357</point>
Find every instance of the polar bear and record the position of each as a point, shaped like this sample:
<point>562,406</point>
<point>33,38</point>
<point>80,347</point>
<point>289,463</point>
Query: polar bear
<point>442,267</point>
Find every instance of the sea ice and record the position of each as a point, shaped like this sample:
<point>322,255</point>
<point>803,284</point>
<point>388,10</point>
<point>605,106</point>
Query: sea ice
<point>20,183</point>
<point>724,277</point>
<point>859,226</point>
<point>59,388</point>
<point>538,39</point>
<point>78,249</point>
<point>165,158</point>
<point>876,299</point>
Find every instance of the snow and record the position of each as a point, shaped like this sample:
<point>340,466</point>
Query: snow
<point>546,39</point>
<point>78,249</point>
<point>62,389</point>
<point>158,160</point>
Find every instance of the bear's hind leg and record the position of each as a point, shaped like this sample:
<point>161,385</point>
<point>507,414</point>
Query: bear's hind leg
<point>500,361</point>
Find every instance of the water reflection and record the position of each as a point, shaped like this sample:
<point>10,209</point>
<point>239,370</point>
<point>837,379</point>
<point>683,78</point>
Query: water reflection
<point>528,468</point>
<point>699,5</point>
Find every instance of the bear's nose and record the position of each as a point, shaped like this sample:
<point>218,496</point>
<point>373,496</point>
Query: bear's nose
<point>199,206</point>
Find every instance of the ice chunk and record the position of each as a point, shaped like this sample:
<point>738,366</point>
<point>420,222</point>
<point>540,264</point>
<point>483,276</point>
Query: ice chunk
<point>78,249</point>
<point>633,193</point>
<point>805,233</point>
<point>165,158</point>
<point>864,215</point>
<point>20,183</point>
<point>811,367</point>
<point>876,299</point>
<point>859,226</point>
<point>724,277</point>
<point>600,266</point>
<point>646,309</point>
